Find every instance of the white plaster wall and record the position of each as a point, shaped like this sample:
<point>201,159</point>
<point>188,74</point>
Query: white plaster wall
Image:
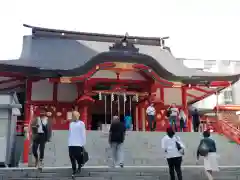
<point>172,95</point>
<point>42,91</point>
<point>131,75</point>
<point>105,74</point>
<point>67,92</point>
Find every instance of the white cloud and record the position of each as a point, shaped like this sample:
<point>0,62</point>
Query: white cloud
<point>198,29</point>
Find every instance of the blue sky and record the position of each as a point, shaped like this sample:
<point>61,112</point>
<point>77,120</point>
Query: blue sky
<point>199,29</point>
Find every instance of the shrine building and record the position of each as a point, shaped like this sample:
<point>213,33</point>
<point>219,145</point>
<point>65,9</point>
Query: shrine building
<point>102,75</point>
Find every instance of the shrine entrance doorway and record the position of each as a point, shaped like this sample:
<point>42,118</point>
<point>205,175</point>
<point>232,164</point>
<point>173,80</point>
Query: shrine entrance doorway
<point>107,105</point>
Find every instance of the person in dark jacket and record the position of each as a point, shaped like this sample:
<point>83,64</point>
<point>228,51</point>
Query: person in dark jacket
<point>116,139</point>
<point>195,120</point>
<point>211,159</point>
<point>41,133</point>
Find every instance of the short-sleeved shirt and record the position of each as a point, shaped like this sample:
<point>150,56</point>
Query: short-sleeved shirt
<point>174,111</point>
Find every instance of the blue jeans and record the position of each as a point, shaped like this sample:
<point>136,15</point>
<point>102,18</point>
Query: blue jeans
<point>173,121</point>
<point>151,122</point>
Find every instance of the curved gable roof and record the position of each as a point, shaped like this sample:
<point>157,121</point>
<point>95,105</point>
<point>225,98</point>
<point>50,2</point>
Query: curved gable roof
<point>57,52</point>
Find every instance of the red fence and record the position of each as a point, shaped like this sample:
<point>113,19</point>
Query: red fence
<point>222,126</point>
<point>230,131</point>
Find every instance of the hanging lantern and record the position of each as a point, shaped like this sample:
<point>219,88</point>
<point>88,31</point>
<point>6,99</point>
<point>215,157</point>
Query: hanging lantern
<point>124,97</point>
<point>100,96</point>
<point>136,97</point>
<point>112,97</point>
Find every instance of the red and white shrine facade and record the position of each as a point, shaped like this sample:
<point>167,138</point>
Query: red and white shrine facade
<point>102,75</point>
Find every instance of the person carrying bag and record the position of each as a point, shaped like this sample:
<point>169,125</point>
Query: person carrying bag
<point>40,135</point>
<point>76,143</point>
<point>174,151</point>
<point>207,149</point>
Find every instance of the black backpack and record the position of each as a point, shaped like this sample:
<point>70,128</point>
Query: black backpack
<point>203,149</point>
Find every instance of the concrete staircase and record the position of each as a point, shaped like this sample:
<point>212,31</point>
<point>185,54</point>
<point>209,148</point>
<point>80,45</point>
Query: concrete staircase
<point>144,159</point>
<point>141,149</point>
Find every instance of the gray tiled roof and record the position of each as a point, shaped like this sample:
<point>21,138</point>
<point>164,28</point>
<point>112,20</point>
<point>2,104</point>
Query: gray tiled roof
<point>48,52</point>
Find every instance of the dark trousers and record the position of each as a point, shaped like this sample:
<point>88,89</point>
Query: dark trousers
<point>39,141</point>
<point>182,125</point>
<point>174,164</point>
<point>196,127</point>
<point>151,122</point>
<point>76,155</point>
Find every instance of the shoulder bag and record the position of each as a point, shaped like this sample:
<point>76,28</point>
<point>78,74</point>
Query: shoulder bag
<point>179,147</point>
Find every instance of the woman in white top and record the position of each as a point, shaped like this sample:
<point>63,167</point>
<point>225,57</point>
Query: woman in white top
<point>76,142</point>
<point>174,149</point>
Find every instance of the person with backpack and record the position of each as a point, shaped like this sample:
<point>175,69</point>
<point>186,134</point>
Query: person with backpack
<point>207,149</point>
<point>116,138</point>
<point>174,150</point>
<point>41,133</point>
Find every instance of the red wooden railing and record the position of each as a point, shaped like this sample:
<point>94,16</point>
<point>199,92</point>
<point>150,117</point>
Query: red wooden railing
<point>223,126</point>
<point>229,131</point>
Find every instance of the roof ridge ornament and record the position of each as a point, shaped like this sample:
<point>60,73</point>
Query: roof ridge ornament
<point>162,44</point>
<point>162,41</point>
<point>124,45</point>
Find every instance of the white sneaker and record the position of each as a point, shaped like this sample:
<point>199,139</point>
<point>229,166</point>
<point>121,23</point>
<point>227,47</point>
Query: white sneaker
<point>40,164</point>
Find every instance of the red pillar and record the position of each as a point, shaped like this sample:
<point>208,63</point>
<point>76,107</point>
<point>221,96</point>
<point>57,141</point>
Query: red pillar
<point>85,115</point>
<point>27,112</point>
<point>185,108</point>
<point>84,103</point>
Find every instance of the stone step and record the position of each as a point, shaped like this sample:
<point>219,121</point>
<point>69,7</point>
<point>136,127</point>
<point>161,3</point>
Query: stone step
<point>128,173</point>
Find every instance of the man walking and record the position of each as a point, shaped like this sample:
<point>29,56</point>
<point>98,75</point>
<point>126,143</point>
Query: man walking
<point>41,133</point>
<point>116,139</point>
<point>151,112</point>
<point>195,120</point>
<point>76,142</point>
